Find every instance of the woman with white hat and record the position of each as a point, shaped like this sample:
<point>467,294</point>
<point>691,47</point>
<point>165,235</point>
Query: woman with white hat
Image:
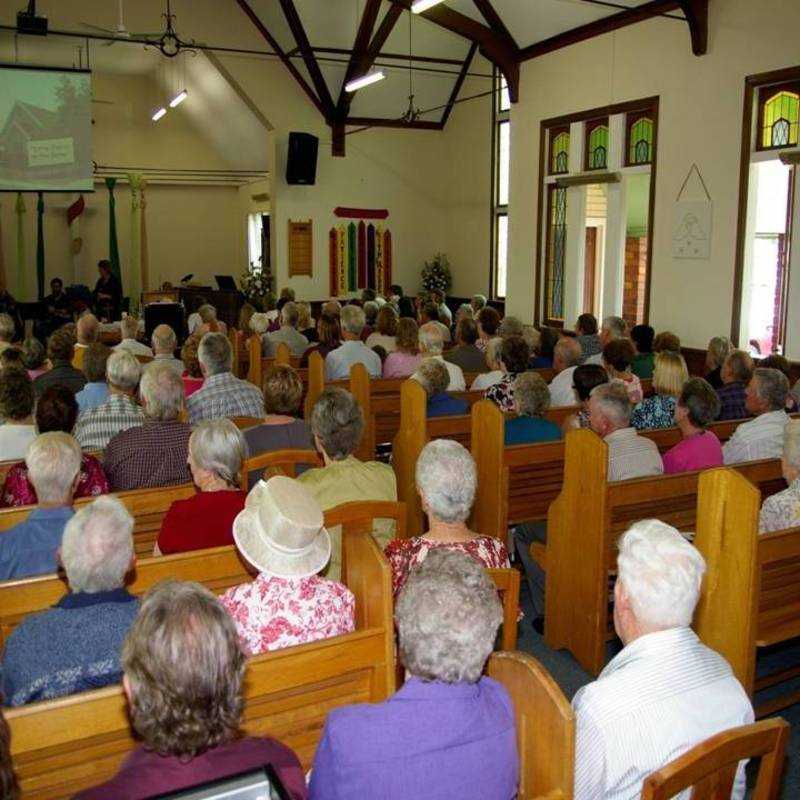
<point>281,533</point>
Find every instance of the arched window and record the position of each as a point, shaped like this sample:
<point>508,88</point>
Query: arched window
<point>779,116</point>
<point>559,151</point>
<point>596,144</point>
<point>640,138</point>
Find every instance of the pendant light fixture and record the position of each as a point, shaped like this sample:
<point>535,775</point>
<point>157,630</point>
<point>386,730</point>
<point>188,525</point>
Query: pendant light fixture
<point>412,113</point>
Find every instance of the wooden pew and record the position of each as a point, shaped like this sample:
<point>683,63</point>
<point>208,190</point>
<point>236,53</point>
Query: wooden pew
<point>63,746</point>
<point>545,726</point>
<point>751,591</point>
<point>283,461</point>
<point>583,524</point>
<point>258,365</point>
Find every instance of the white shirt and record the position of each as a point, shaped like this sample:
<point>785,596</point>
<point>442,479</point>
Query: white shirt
<point>597,358</point>
<point>561,391</point>
<point>339,361</point>
<point>14,441</point>
<point>762,437</point>
<point>445,331</point>
<point>663,694</point>
<point>193,322</point>
<point>137,348</point>
<point>632,456</point>
<point>486,379</point>
<point>457,382</point>
<point>388,343</point>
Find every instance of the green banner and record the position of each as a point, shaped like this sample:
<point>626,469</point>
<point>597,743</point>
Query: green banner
<point>40,246</point>
<point>352,279</point>
<point>113,246</point>
<point>19,210</point>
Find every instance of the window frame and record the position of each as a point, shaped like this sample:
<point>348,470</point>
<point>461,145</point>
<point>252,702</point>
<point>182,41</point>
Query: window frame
<point>553,134</point>
<point>631,118</point>
<point>765,93</point>
<point>500,117</point>
<point>589,127</point>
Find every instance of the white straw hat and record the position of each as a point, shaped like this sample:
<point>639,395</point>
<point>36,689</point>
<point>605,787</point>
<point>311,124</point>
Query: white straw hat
<point>280,531</point>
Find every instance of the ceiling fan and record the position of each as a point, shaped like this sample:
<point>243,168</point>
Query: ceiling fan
<point>121,32</point>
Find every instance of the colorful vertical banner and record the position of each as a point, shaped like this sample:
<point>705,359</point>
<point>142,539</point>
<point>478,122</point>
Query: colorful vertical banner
<point>135,271</point>
<point>362,255</point>
<point>143,238</point>
<point>341,255</point>
<point>333,277</point>
<point>40,247</point>
<point>74,214</point>
<point>381,288</point>
<point>387,258</point>
<point>371,283</point>
<point>113,244</point>
<point>22,267</point>
<point>351,258</point>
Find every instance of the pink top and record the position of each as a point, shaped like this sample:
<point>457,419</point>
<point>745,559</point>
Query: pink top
<point>18,490</point>
<point>700,451</point>
<point>190,384</point>
<point>400,365</point>
<point>633,386</point>
<point>271,612</point>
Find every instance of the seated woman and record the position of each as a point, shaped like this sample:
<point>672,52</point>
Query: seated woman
<point>719,348</point>
<point>385,333</point>
<point>697,408</point>
<point>329,335</point>
<point>669,376</point>
<point>434,379</point>
<point>192,375</point>
<point>737,370</point>
<point>514,355</point>
<point>184,678</point>
<point>446,480</point>
<point>33,358</point>
<point>337,423</point>
<point>449,732</point>
<point>531,400</point>
<point>405,358</point>
<point>305,323</point>
<point>644,361</point>
<point>543,357</point>
<point>16,411</point>
<point>617,359</point>
<point>488,320</point>
<point>782,510</point>
<point>280,532</point>
<point>216,451</point>
<point>57,410</point>
<point>584,379</point>
<point>209,322</point>
<point>495,373</point>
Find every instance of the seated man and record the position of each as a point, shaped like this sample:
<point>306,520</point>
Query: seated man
<point>735,374</point>
<point>95,364</point>
<point>762,437</point>
<point>449,732</point>
<point>429,315</point>
<point>183,677</point>
<point>613,328</point>
<point>129,328</point>
<point>99,425</point>
<point>222,394</point>
<point>75,645</point>
<point>153,453</point>
<point>59,352</point>
<point>566,357</point>
<point>434,379</point>
<point>29,548</point>
<point>352,350</point>
<point>666,691</point>
<point>87,329</point>
<point>287,333</point>
<point>164,345</point>
<point>466,354</point>
<point>431,345</point>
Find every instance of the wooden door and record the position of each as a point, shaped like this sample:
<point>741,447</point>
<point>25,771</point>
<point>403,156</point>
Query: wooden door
<point>589,267</point>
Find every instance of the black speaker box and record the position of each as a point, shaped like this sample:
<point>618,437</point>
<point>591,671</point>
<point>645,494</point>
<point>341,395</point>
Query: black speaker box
<point>171,314</point>
<point>301,161</point>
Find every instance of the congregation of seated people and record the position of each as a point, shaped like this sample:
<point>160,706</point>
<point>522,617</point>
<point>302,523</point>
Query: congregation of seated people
<point>82,421</point>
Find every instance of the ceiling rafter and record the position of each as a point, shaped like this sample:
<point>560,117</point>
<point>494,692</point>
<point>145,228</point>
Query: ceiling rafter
<point>357,54</point>
<point>493,20</point>
<point>459,82</point>
<point>299,33</point>
<point>696,12</point>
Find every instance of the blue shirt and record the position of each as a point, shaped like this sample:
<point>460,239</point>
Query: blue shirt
<point>431,739</point>
<point>339,361</point>
<point>30,547</point>
<point>529,430</point>
<point>445,405</point>
<point>92,395</point>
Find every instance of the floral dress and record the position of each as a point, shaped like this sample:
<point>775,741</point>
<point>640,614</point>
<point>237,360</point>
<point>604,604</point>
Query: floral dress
<point>633,386</point>
<point>654,412</point>
<point>272,612</point>
<point>18,490</point>
<point>502,393</point>
<point>403,554</point>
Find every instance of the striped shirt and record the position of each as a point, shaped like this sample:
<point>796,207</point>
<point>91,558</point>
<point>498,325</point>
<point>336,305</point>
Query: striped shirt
<point>99,425</point>
<point>224,395</point>
<point>632,456</point>
<point>762,437</point>
<point>663,694</point>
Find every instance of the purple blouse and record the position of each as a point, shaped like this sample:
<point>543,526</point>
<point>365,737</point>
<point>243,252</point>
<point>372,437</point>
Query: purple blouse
<point>400,365</point>
<point>700,451</point>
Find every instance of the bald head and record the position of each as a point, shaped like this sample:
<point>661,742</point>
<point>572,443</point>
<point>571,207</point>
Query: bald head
<point>567,353</point>
<point>164,340</point>
<point>86,329</point>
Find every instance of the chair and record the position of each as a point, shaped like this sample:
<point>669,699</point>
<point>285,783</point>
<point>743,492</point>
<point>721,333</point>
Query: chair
<point>710,767</point>
<point>283,462</point>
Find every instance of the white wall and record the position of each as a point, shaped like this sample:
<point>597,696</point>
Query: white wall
<point>700,118</point>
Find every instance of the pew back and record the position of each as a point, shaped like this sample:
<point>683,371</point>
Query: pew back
<point>284,462</point>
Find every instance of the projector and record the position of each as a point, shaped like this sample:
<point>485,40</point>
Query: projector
<point>29,22</point>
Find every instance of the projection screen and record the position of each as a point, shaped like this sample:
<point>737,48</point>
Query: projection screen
<point>45,130</point>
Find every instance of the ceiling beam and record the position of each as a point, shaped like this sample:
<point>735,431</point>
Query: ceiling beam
<point>296,26</point>
<point>493,20</point>
<point>655,8</point>
<point>499,50</point>
<point>380,122</point>
<point>272,42</point>
<point>696,12</point>
<point>459,82</point>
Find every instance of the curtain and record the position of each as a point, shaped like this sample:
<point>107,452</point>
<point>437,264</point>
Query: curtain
<point>19,210</point>
<point>40,246</point>
<point>113,245</point>
<point>135,276</point>
<point>144,250</point>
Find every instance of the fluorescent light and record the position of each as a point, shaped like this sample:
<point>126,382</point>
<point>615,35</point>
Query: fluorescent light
<point>364,80</point>
<point>418,6</point>
<point>179,98</point>
<point>159,113</point>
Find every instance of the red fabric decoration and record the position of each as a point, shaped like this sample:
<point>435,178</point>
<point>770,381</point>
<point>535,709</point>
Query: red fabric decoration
<point>361,213</point>
<point>75,210</point>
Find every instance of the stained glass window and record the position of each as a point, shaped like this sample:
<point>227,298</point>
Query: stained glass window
<point>597,144</point>
<point>556,244</point>
<point>559,151</point>
<point>640,138</point>
<point>780,116</point>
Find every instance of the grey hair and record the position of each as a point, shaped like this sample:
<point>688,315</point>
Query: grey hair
<point>791,444</point>
<point>433,376</point>
<point>219,446</point>
<point>259,322</point>
<point>719,348</point>
<point>446,475</point>
<point>53,460</point>
<point>447,617</point>
<point>431,339</point>
<point>370,311</point>
<point>772,387</point>
<point>129,327</point>
<point>207,313</point>
<point>338,422</point>
<point>510,326</point>
<point>97,547</point>
<point>568,351</point>
<point>466,310</point>
<point>532,337</point>
<point>161,391</point>
<point>353,320</point>
<point>494,352</point>
<point>614,401</point>
<point>164,339</point>
<point>616,326</point>
<point>214,353</point>
<point>661,573</point>
<point>478,301</point>
<point>290,313</point>
<point>531,395</point>
<point>7,328</point>
<point>123,370</point>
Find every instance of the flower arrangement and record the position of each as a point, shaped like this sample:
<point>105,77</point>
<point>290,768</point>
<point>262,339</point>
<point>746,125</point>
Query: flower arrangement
<point>436,274</point>
<point>256,288</point>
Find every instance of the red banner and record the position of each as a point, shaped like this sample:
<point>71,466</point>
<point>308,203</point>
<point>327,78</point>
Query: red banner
<point>361,213</point>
